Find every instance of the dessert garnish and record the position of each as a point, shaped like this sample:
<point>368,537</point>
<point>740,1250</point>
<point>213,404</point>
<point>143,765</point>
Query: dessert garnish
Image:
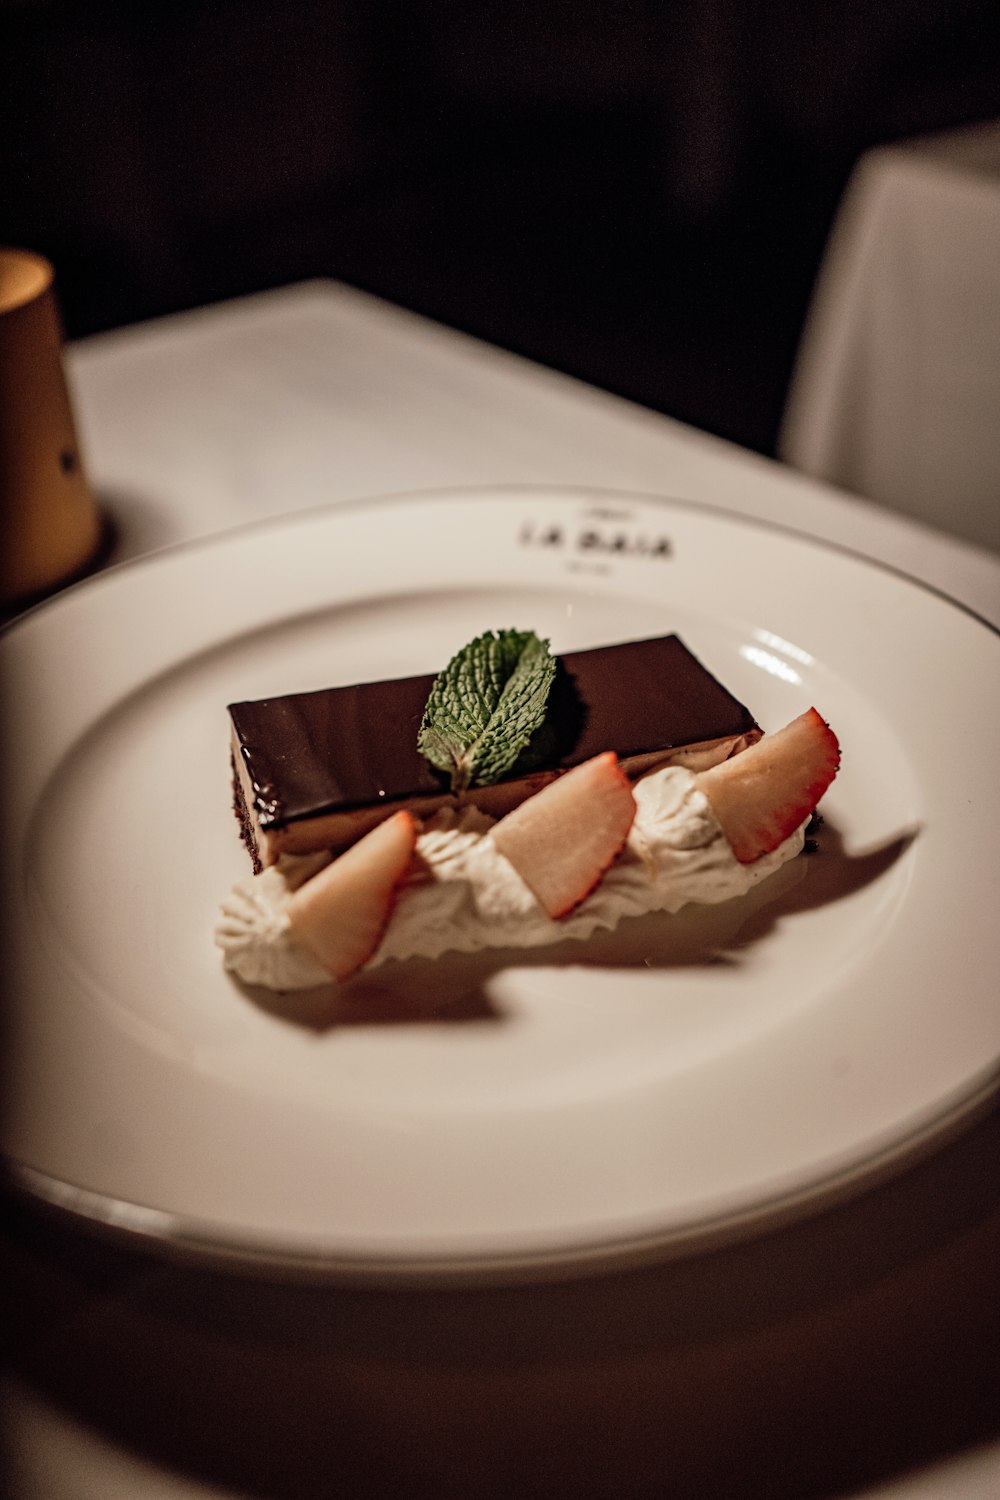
<point>563,840</point>
<point>485,707</point>
<point>315,770</point>
<point>342,912</point>
<point>760,799</point>
<point>587,848</point>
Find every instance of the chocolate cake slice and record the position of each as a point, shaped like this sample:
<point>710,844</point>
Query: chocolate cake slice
<point>317,770</point>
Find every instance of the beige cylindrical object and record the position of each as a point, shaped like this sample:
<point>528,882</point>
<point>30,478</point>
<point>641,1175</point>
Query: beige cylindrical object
<point>50,527</point>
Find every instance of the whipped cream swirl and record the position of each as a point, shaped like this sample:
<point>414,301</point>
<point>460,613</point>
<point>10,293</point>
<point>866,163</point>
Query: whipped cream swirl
<point>462,895</point>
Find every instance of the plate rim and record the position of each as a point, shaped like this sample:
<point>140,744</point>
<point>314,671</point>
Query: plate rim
<point>194,1239</point>
<point>514,489</point>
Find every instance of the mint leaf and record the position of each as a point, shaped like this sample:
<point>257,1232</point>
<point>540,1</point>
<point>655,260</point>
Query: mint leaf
<point>486,705</point>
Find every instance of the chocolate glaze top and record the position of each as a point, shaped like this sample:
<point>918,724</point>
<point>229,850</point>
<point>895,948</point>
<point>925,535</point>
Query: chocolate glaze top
<point>346,747</point>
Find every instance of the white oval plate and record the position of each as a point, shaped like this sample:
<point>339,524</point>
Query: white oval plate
<point>678,1080</point>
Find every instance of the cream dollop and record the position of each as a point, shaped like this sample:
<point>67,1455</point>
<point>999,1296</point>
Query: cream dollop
<point>463,895</point>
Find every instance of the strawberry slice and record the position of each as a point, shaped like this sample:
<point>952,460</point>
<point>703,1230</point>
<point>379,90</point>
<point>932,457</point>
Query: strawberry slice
<point>762,795</point>
<point>563,839</point>
<point>341,913</point>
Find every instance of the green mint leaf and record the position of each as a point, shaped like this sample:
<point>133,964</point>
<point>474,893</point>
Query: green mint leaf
<point>486,705</point>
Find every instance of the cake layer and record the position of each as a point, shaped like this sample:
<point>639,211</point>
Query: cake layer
<point>316,770</point>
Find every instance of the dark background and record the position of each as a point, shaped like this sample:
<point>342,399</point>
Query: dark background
<point>638,194</point>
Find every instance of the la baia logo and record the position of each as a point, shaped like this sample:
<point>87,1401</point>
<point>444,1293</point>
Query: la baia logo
<point>597,539</point>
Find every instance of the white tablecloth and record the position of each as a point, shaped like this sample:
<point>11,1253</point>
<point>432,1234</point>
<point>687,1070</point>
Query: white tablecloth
<point>896,393</point>
<point>865,1330</point>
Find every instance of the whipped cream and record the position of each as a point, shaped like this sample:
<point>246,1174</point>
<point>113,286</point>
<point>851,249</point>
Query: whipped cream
<point>462,895</point>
